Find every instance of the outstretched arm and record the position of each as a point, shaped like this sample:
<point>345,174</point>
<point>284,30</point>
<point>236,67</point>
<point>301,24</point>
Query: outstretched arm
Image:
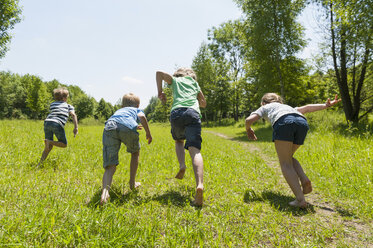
<point>75,121</point>
<point>249,121</point>
<point>144,123</point>
<point>201,100</point>
<point>160,77</point>
<point>316,107</point>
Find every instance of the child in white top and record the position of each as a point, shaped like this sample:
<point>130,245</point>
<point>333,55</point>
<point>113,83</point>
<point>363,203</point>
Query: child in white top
<point>289,131</point>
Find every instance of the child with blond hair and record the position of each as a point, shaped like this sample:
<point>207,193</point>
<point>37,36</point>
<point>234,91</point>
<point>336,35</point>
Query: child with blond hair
<point>55,122</point>
<point>290,128</point>
<point>122,127</point>
<point>185,121</point>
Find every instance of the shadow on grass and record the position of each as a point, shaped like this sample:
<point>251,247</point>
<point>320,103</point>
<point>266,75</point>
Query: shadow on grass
<point>116,197</point>
<point>176,198</point>
<point>278,201</point>
<point>173,197</point>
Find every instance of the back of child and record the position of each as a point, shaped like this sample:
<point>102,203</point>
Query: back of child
<point>54,124</point>
<point>185,118</point>
<point>120,128</point>
<point>289,132</point>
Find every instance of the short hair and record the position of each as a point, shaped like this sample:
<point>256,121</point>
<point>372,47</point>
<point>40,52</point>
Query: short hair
<point>60,93</point>
<point>271,97</point>
<point>130,100</point>
<point>184,72</point>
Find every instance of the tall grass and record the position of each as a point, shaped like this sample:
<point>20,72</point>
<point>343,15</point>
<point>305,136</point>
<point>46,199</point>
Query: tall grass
<point>245,200</point>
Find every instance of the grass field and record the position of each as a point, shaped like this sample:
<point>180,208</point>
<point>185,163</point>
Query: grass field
<point>245,194</point>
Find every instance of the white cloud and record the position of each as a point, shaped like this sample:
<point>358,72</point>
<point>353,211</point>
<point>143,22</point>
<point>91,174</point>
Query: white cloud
<point>131,80</point>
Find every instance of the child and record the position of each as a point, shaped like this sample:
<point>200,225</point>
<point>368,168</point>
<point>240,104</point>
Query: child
<point>122,127</point>
<point>289,132</point>
<point>185,121</point>
<point>56,120</point>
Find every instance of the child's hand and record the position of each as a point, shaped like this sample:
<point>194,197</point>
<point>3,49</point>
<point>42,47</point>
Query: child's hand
<point>251,134</point>
<point>149,138</point>
<point>75,131</point>
<point>331,103</point>
<point>162,97</point>
<point>139,127</point>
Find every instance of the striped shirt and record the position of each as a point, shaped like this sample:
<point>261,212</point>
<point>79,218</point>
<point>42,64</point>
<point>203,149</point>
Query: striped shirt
<point>59,112</point>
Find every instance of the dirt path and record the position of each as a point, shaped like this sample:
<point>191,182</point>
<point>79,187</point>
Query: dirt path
<point>326,211</point>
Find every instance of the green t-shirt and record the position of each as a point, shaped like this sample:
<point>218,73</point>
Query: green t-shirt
<point>184,93</point>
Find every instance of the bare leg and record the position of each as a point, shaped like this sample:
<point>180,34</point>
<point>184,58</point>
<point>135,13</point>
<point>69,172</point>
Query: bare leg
<point>57,143</point>
<point>47,148</point>
<point>197,162</point>
<point>306,183</point>
<point>133,170</point>
<point>180,153</point>
<point>285,155</point>
<point>106,183</point>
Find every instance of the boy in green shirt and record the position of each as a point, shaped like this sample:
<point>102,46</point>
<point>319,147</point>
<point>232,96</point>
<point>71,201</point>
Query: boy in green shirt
<point>185,121</point>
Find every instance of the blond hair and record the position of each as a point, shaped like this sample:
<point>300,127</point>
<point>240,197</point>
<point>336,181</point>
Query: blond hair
<point>184,72</point>
<point>271,97</point>
<point>60,93</point>
<point>130,100</point>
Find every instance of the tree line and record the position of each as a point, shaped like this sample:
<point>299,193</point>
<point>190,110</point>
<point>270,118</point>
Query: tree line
<point>241,60</point>
<point>28,97</point>
<point>257,53</point>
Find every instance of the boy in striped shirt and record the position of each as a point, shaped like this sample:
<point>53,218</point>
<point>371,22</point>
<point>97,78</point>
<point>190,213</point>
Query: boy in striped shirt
<point>55,122</point>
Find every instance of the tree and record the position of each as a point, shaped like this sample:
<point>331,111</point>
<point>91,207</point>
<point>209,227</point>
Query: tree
<point>10,12</point>
<point>214,82</point>
<point>226,44</point>
<point>104,110</point>
<point>350,39</point>
<point>84,106</point>
<point>37,98</point>
<point>149,110</point>
<point>273,37</point>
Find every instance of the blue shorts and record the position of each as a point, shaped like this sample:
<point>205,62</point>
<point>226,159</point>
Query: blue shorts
<point>186,125</point>
<point>291,127</point>
<point>112,139</point>
<point>51,127</point>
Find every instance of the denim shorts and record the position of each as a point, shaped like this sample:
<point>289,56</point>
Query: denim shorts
<point>112,139</point>
<point>51,127</point>
<point>186,125</point>
<point>291,127</point>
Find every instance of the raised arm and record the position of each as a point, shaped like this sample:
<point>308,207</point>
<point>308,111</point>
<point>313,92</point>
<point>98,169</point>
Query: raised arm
<point>160,77</point>
<point>75,121</point>
<point>144,123</point>
<point>316,107</point>
<point>201,100</point>
<point>248,122</point>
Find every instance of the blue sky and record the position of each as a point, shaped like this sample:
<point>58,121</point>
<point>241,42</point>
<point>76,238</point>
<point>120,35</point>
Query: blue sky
<point>109,48</point>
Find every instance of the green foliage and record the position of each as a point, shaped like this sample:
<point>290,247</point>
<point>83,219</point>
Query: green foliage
<point>28,96</point>
<point>37,97</point>
<point>104,110</point>
<point>10,12</point>
<point>84,106</point>
<point>350,28</point>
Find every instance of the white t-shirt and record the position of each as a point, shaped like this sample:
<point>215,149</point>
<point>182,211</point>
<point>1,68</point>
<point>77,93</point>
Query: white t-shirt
<point>274,111</point>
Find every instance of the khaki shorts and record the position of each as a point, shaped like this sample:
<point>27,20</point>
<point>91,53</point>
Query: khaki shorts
<point>112,140</point>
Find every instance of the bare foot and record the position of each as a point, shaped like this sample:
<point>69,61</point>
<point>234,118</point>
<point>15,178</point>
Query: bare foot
<point>307,187</point>
<point>199,197</point>
<point>180,174</point>
<point>296,203</point>
<point>104,197</point>
<point>135,186</point>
